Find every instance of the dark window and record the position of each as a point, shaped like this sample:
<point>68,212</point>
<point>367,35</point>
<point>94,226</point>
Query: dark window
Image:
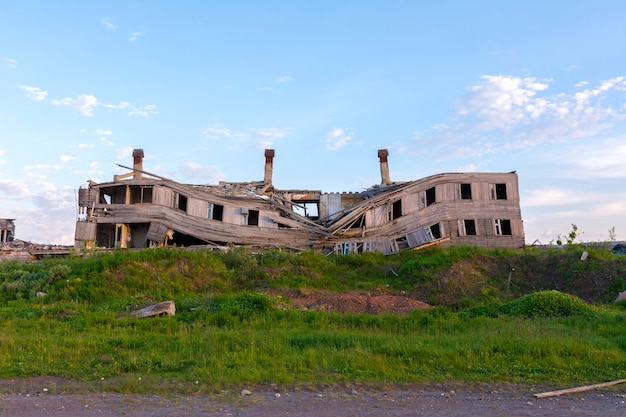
<point>430,196</point>
<point>436,231</point>
<point>503,227</point>
<point>253,217</point>
<point>396,209</point>
<point>146,196</point>
<point>182,202</point>
<point>470,227</point>
<point>498,191</point>
<point>218,212</point>
<point>466,191</point>
<point>506,227</point>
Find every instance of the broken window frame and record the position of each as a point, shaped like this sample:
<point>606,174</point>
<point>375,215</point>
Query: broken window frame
<point>436,231</point>
<point>249,217</point>
<point>427,197</point>
<point>396,209</point>
<point>215,212</point>
<point>498,191</point>
<point>463,191</point>
<point>467,227</point>
<point>502,227</point>
<point>302,207</point>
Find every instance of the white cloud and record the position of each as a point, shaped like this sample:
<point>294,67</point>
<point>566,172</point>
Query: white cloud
<point>144,111</point>
<point>105,141</point>
<point>196,173</point>
<point>266,137</point>
<point>108,24</point>
<point>601,159</point>
<point>135,35</point>
<point>122,105</point>
<point>511,113</point>
<point>104,132</point>
<point>284,79</point>
<point>11,62</point>
<point>34,93</point>
<point>338,138</point>
<point>552,197</point>
<point>2,152</point>
<point>84,104</point>
<point>66,158</point>
<point>218,131</point>
<point>124,154</point>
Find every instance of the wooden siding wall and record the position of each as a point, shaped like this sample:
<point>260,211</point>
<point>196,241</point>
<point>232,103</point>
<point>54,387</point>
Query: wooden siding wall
<point>448,209</point>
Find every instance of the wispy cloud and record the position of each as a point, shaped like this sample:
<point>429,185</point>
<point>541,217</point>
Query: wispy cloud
<point>266,137</point>
<point>284,79</point>
<point>108,24</point>
<point>338,138</point>
<point>144,111</point>
<point>34,93</point>
<point>86,104</point>
<point>66,158</point>
<point>506,112</point>
<point>10,62</point>
<point>124,154</point>
<point>218,131</point>
<point>136,35</point>
<point>2,152</point>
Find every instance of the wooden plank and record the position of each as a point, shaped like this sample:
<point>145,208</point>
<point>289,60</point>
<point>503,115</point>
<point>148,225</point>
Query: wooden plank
<point>578,389</point>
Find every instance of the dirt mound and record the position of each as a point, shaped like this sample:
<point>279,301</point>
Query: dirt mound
<point>355,302</point>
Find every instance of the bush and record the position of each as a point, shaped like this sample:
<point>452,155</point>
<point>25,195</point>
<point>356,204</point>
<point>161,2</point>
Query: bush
<point>546,304</point>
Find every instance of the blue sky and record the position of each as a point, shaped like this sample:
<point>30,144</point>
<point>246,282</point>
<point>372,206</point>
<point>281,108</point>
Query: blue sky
<point>203,87</point>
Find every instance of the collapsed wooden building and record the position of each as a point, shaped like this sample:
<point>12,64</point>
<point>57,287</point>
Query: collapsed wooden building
<point>140,209</point>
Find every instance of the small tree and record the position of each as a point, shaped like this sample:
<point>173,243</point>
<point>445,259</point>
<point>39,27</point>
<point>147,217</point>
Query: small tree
<point>572,234</point>
<point>612,234</point>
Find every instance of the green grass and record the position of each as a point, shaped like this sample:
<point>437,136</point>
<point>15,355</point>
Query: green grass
<point>229,331</point>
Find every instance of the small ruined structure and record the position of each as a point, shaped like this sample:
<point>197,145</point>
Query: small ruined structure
<point>140,209</point>
<point>7,230</point>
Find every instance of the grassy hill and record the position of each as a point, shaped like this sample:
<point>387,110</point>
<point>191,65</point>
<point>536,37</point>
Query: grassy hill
<point>497,315</point>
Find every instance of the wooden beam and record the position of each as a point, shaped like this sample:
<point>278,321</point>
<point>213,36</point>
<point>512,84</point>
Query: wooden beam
<point>578,389</point>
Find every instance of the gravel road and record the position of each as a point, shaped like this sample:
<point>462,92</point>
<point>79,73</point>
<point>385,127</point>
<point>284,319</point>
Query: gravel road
<point>432,400</point>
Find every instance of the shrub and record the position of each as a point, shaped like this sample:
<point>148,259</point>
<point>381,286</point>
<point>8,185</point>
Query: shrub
<point>546,304</point>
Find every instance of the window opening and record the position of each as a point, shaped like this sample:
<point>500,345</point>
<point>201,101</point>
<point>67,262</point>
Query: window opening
<point>498,191</point>
<point>503,227</point>
<point>218,212</point>
<point>253,218</point>
<point>435,229</point>
<point>396,209</point>
<point>470,227</point>
<point>466,191</point>
<point>308,209</point>
<point>430,196</point>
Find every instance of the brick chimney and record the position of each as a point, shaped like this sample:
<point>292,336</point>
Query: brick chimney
<point>269,167</point>
<point>138,163</point>
<point>384,166</point>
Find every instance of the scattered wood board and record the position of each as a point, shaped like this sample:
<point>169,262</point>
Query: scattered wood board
<point>578,389</point>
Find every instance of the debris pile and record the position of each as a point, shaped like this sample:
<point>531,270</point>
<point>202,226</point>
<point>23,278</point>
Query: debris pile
<point>19,250</point>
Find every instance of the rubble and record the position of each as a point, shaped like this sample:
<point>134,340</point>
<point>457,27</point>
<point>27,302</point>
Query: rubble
<point>22,251</point>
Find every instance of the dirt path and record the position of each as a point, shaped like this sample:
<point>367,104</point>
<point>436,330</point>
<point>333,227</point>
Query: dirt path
<point>433,400</point>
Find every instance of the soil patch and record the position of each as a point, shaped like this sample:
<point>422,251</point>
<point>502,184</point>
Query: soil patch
<point>356,302</point>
